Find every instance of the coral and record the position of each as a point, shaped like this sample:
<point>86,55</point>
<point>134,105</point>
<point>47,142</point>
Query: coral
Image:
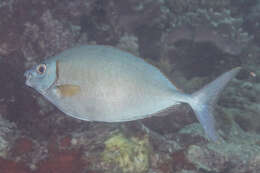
<point>129,43</point>
<point>172,122</point>
<point>252,17</point>
<point>240,99</point>
<point>62,162</point>
<point>22,145</point>
<point>180,161</point>
<point>194,129</point>
<point>65,142</point>
<point>191,40</point>
<point>219,28</point>
<point>202,159</point>
<point>255,163</point>
<point>8,166</point>
<point>232,155</point>
<point>6,130</point>
<point>182,6</point>
<point>50,34</point>
<point>130,155</point>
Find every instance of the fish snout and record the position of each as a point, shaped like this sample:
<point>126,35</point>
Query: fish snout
<point>28,76</point>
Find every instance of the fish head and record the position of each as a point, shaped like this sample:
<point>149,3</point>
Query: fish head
<point>41,76</point>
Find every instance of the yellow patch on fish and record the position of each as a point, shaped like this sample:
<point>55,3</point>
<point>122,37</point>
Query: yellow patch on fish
<point>68,90</point>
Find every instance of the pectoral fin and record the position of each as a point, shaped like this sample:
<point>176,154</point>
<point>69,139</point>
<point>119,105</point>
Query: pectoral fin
<point>68,90</point>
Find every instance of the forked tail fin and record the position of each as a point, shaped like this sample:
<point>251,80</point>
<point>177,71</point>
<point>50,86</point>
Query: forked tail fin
<point>203,102</point>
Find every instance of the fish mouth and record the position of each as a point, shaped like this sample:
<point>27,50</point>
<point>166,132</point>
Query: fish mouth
<point>28,76</point>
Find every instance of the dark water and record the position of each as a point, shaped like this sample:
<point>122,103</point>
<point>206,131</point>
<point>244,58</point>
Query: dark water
<point>191,42</point>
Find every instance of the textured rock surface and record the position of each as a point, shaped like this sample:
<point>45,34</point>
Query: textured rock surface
<point>191,41</point>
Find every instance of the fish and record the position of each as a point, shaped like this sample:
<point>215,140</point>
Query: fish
<point>106,84</point>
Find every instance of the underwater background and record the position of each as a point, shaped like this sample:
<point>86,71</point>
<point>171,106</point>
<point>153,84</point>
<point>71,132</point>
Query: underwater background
<point>191,41</point>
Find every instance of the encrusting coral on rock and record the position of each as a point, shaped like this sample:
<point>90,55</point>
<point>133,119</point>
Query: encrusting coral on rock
<point>191,41</point>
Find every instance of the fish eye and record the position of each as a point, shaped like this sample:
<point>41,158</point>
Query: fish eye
<point>41,68</point>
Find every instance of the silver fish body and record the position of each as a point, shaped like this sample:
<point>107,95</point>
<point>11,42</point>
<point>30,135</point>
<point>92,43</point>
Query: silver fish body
<point>102,83</point>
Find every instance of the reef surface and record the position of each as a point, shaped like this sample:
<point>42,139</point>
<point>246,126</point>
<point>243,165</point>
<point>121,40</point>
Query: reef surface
<point>191,41</point>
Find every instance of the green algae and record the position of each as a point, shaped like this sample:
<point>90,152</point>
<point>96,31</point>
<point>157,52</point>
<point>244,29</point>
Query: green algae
<point>128,154</point>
